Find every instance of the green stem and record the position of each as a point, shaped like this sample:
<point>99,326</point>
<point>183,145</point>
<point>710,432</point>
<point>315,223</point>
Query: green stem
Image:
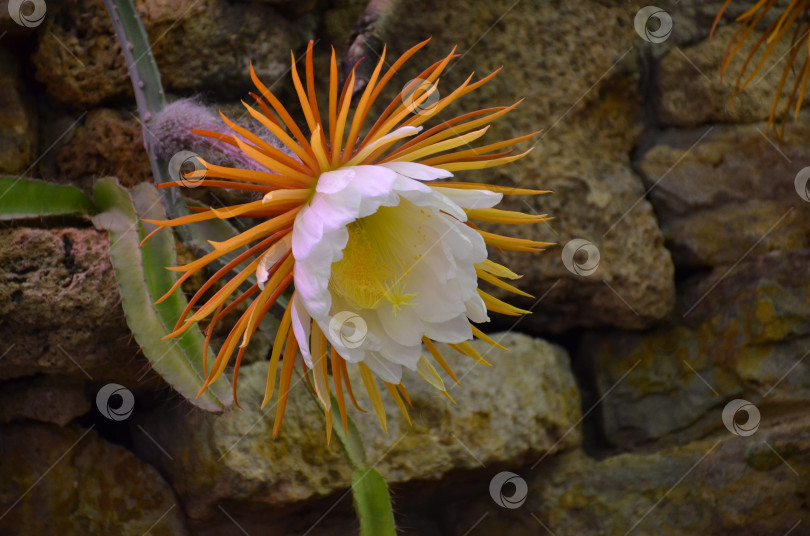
<point>143,71</point>
<point>370,495</point>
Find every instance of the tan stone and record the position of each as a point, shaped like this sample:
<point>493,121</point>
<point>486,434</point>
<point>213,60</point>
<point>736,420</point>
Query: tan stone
<point>580,77</point>
<point>206,44</point>
<point>525,406</point>
<point>692,92</point>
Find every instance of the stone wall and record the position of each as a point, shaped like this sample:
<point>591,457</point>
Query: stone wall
<point>610,404</point>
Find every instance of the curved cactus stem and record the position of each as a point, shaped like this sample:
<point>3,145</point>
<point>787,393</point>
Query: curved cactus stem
<point>142,278</point>
<point>30,198</point>
<point>143,71</point>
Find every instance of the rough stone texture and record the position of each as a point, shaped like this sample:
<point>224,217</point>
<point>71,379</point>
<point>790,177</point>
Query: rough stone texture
<point>580,78</point>
<point>60,310</point>
<point>691,91</point>
<point>196,44</point>
<point>732,192</point>
<point>69,481</point>
<point>107,144</point>
<point>726,484</point>
<point>742,332</point>
<point>18,118</point>
<point>527,404</point>
<point>45,399</point>
<point>600,94</point>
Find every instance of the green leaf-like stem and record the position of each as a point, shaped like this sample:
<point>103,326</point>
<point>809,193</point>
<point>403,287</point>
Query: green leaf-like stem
<point>142,279</point>
<point>22,198</point>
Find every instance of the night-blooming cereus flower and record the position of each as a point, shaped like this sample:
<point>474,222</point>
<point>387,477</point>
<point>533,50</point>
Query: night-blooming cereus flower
<point>379,248</point>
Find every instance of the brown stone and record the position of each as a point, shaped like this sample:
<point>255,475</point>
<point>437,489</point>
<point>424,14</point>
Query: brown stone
<point>691,91</point>
<point>69,481</point>
<point>44,398</point>
<point>106,144</point>
<point>18,118</point>
<point>60,307</point>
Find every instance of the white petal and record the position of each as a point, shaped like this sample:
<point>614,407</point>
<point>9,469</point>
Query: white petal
<point>471,198</point>
<point>307,232</point>
<point>373,181</point>
<point>301,323</point>
<point>434,258</point>
<point>403,326</point>
<point>452,331</point>
<point>407,356</point>
<point>476,309</point>
<point>334,181</point>
<point>448,205</point>
<point>384,369</point>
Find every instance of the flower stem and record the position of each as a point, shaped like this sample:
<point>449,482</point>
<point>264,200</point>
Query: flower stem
<point>371,498</point>
<point>370,495</point>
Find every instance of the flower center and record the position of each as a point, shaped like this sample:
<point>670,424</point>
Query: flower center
<point>379,255</point>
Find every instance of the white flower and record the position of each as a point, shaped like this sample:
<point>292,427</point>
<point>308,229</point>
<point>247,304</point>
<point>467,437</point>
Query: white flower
<point>378,242</point>
<point>378,258</point>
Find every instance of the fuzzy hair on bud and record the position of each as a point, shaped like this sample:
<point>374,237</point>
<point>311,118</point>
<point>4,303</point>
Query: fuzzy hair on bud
<point>172,128</point>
